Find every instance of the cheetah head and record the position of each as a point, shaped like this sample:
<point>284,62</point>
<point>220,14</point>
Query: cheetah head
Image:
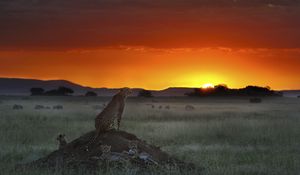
<point>105,148</point>
<point>125,92</point>
<point>61,137</point>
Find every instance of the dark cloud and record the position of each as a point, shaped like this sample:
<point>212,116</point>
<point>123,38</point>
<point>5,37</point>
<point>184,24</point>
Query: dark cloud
<point>60,24</point>
<point>92,4</point>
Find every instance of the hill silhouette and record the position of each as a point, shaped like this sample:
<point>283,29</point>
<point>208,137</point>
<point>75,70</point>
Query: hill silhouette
<point>19,86</point>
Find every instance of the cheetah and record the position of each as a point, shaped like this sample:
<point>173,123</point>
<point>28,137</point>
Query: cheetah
<point>114,110</point>
<point>62,141</point>
<point>106,151</point>
<point>133,149</point>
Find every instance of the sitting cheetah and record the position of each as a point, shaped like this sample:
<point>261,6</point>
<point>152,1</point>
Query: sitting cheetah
<point>114,110</point>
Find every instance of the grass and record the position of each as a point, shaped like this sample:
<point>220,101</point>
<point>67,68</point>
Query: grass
<point>225,136</point>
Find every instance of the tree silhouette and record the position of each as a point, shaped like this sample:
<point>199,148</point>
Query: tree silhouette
<point>37,91</point>
<point>64,90</point>
<point>61,91</point>
<point>91,94</point>
<point>145,93</point>
<point>223,90</point>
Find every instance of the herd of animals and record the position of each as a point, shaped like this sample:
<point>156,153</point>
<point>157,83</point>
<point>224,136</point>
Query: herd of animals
<point>38,107</point>
<point>97,107</point>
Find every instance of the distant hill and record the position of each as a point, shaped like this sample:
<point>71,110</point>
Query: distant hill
<point>173,91</point>
<point>19,86</point>
<point>16,86</point>
<point>291,93</point>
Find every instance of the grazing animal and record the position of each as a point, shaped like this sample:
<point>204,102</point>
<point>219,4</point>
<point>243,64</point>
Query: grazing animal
<point>189,108</point>
<point>160,107</point>
<point>17,107</point>
<point>39,107</point>
<point>62,140</point>
<point>167,107</point>
<point>58,107</point>
<point>151,105</point>
<point>114,110</point>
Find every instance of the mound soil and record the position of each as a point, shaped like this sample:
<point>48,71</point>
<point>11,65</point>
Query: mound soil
<point>80,154</point>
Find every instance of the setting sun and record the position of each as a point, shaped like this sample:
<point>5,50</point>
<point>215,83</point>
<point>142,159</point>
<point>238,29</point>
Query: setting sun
<point>207,85</point>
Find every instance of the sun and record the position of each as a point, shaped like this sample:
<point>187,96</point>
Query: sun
<point>207,86</point>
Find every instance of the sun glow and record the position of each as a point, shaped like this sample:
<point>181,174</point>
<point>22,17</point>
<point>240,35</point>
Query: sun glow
<point>207,86</point>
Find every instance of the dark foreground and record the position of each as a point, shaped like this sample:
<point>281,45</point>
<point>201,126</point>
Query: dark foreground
<point>82,155</point>
<point>224,136</point>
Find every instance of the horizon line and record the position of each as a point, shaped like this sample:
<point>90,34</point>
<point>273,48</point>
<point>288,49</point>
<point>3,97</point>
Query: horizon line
<point>70,81</point>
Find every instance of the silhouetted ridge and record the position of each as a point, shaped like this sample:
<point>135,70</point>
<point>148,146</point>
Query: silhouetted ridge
<point>223,90</point>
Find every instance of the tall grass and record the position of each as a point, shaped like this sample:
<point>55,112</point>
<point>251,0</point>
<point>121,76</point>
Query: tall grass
<point>223,136</point>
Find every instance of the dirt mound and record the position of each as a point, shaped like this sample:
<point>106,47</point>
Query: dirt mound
<point>81,154</point>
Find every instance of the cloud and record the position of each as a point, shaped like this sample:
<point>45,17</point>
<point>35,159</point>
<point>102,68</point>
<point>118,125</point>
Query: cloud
<point>68,24</point>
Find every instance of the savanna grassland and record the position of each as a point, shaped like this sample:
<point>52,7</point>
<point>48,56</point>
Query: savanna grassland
<point>224,136</point>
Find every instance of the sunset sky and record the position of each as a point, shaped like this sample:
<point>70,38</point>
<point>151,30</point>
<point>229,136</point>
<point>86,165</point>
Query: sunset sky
<point>152,44</point>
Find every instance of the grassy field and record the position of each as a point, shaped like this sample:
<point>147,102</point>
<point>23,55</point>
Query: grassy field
<point>225,136</point>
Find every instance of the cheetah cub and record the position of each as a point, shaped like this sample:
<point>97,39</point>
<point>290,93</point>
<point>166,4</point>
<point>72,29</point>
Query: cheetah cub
<point>133,149</point>
<point>105,149</point>
<point>62,141</point>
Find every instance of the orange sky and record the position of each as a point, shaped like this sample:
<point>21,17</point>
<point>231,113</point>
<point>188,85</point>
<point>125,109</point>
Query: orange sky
<point>158,68</point>
<point>153,44</point>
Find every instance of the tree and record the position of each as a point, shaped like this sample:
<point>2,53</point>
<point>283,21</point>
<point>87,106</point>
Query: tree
<point>145,93</point>
<point>61,91</point>
<point>37,91</point>
<point>64,91</point>
<point>91,94</point>
<point>258,91</point>
<point>221,90</point>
